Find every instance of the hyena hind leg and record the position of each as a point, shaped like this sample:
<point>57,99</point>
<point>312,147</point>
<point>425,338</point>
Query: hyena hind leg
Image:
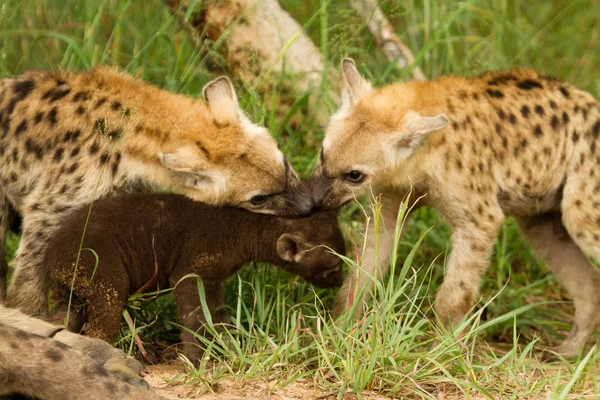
<point>574,272</point>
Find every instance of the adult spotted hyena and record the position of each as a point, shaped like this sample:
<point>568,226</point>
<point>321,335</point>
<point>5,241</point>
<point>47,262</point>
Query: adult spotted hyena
<point>67,138</point>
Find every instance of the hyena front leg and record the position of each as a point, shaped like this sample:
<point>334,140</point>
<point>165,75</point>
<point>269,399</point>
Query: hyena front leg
<point>28,290</point>
<point>376,260</point>
<point>573,271</point>
<point>4,222</point>
<point>473,236</point>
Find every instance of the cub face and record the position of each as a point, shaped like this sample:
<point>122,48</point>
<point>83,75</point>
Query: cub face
<point>233,161</point>
<point>306,248</point>
<point>373,133</point>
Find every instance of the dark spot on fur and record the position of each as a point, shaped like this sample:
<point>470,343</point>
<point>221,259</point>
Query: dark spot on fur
<point>115,105</point>
<point>512,118</point>
<point>577,203</point>
<point>555,122</point>
<point>104,158</point>
<point>22,89</point>
<point>81,96</point>
<point>32,147</point>
<point>72,168</point>
<point>75,151</point>
<point>524,143</point>
<point>539,110</point>
<point>58,154</point>
<point>537,131</point>
<point>575,137</point>
<point>455,125</point>
<point>100,102</point>
<point>475,96</point>
<point>115,134</point>
<point>525,111</point>
<point>52,116</point>
<point>565,118</point>
<point>501,113</point>
<point>501,80</point>
<point>115,165</point>
<point>495,93</point>
<point>64,189</point>
<point>94,371</point>
<point>13,177</point>
<point>462,94</point>
<point>553,105</point>
<point>55,93</point>
<point>596,129</point>
<point>529,84</point>
<point>80,110</point>
<point>94,148</point>
<point>53,354</point>
<point>38,117</point>
<point>22,127</point>
<point>564,92</point>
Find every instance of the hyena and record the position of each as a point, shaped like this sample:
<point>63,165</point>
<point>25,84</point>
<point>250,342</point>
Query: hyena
<point>67,138</point>
<point>163,238</point>
<point>44,361</point>
<point>478,149</point>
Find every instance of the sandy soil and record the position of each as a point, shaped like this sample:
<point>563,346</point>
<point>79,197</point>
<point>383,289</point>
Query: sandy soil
<point>158,376</point>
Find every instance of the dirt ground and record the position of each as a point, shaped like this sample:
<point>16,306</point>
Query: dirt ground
<point>158,376</point>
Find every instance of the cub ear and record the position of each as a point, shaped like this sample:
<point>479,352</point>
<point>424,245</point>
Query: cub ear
<point>184,159</point>
<point>222,101</point>
<point>290,247</point>
<point>355,86</point>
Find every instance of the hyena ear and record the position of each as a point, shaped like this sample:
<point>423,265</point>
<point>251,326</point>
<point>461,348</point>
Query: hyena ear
<point>355,86</point>
<point>417,125</point>
<point>222,101</point>
<point>291,248</point>
<point>414,133</point>
<point>184,159</point>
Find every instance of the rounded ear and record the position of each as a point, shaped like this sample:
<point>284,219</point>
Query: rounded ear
<point>417,125</point>
<point>355,85</point>
<point>222,100</point>
<point>289,247</point>
<point>183,159</point>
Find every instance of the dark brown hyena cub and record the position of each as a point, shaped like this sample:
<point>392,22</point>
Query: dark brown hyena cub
<point>134,236</point>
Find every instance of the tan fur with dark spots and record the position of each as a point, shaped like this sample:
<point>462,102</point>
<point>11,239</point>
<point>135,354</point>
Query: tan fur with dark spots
<point>505,143</point>
<point>67,137</point>
<point>180,237</point>
<point>44,361</point>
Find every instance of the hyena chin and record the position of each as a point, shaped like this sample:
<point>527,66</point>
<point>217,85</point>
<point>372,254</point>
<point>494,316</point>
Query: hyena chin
<point>505,143</point>
<point>66,138</point>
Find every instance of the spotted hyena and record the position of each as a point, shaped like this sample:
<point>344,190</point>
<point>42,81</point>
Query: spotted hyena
<point>67,138</point>
<point>44,361</point>
<point>505,143</point>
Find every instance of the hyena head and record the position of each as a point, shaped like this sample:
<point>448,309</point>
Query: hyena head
<point>370,136</point>
<point>235,162</point>
<point>311,248</point>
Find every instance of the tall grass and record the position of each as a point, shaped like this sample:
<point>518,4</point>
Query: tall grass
<point>282,331</point>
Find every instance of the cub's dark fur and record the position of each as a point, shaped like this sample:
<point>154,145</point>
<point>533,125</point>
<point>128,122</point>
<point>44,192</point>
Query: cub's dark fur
<point>134,234</point>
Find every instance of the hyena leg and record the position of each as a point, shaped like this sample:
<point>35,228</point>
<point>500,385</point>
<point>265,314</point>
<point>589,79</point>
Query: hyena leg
<point>4,222</point>
<point>472,241</point>
<point>104,310</point>
<point>28,288</point>
<point>376,260</point>
<point>574,271</point>
<point>44,368</point>
<point>113,360</point>
<point>191,315</point>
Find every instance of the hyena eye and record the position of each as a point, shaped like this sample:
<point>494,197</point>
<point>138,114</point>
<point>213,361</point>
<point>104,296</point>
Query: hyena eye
<point>355,176</point>
<point>259,199</point>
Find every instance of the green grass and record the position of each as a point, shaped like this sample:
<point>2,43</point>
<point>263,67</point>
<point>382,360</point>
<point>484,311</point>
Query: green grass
<point>282,331</point>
